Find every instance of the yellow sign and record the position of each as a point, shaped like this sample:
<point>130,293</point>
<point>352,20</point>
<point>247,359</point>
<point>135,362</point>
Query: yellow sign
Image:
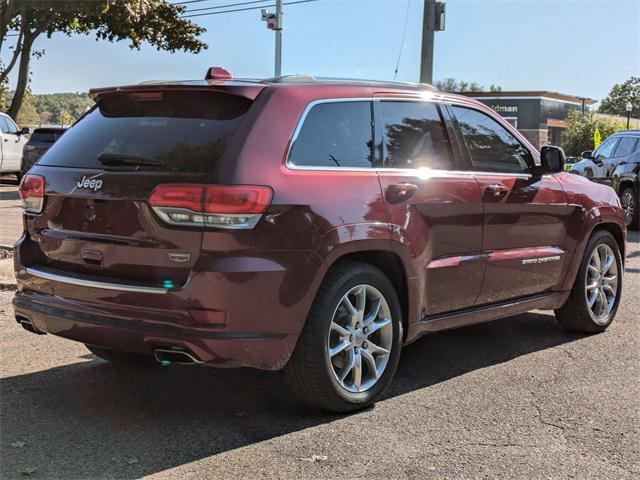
<point>596,138</point>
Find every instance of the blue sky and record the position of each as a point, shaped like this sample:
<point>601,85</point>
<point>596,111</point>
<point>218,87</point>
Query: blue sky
<point>575,47</point>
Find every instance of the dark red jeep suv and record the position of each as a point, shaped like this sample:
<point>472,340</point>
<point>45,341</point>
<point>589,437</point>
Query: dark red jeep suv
<point>306,224</point>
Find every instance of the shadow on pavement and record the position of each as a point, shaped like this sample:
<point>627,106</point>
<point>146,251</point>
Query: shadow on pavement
<point>9,180</point>
<point>10,195</point>
<point>90,419</point>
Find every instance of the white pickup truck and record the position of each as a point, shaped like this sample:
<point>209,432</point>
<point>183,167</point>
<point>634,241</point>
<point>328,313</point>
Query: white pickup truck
<point>12,141</point>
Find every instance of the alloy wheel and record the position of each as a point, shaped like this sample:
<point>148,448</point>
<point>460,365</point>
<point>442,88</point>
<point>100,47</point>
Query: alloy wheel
<point>601,283</point>
<point>360,338</point>
<point>628,207</point>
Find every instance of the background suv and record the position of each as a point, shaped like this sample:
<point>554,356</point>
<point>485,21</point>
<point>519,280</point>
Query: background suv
<point>39,142</point>
<point>615,163</point>
<point>315,225</point>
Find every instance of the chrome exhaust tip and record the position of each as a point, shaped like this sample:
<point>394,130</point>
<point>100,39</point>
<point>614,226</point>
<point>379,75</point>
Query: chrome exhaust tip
<point>167,356</point>
<point>28,326</point>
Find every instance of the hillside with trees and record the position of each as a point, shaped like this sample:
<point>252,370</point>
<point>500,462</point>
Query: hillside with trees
<point>51,108</point>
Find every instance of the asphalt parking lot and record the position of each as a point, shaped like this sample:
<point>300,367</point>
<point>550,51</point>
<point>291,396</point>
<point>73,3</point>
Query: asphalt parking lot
<point>515,398</point>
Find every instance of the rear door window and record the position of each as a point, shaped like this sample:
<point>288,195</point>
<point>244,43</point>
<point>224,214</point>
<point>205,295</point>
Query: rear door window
<point>162,131</point>
<point>491,147</point>
<point>414,136</point>
<point>335,134</point>
<point>45,136</point>
<point>625,147</point>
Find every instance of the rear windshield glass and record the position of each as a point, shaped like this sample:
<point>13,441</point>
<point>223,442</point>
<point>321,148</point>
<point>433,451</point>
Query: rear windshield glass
<point>168,131</point>
<point>45,136</point>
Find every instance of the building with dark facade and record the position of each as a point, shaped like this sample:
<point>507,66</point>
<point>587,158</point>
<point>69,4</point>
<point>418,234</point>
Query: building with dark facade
<point>540,116</point>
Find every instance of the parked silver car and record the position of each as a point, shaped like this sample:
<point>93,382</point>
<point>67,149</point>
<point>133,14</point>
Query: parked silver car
<point>598,165</point>
<point>615,163</point>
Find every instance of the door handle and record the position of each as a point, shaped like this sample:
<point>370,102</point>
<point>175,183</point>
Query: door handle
<point>496,190</point>
<point>400,192</point>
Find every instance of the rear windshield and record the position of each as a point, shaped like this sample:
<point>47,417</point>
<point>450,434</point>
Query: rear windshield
<point>45,136</point>
<point>162,131</point>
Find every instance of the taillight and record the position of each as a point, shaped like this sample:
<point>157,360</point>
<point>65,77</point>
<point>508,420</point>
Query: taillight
<point>216,206</point>
<point>32,193</point>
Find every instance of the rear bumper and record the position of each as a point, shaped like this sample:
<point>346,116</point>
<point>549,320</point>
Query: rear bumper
<point>138,331</point>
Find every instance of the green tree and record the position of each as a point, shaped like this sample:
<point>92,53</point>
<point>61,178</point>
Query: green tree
<point>615,103</point>
<point>453,85</point>
<point>66,118</point>
<point>157,22</point>
<point>27,114</point>
<point>578,135</point>
<point>45,117</point>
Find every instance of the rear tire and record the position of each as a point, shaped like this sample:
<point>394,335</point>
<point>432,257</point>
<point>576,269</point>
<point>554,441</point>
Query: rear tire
<point>340,363</point>
<point>596,292</point>
<point>629,200</point>
<point>122,358</point>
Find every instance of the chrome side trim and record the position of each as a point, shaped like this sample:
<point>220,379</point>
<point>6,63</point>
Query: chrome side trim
<point>82,282</point>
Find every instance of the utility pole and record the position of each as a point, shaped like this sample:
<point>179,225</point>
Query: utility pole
<point>278,69</point>
<point>274,22</point>
<point>433,20</point>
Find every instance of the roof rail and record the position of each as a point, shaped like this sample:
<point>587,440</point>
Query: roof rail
<point>297,78</point>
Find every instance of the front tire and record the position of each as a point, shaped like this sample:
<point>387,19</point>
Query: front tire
<point>629,201</point>
<point>595,295</point>
<point>349,349</point>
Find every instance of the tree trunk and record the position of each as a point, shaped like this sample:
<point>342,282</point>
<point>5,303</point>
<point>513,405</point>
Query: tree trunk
<point>16,53</point>
<point>5,16</point>
<point>23,73</point>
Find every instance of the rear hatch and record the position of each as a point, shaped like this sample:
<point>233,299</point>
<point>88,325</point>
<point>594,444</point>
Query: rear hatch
<point>96,220</point>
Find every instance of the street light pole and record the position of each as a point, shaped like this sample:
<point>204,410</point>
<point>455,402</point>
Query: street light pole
<point>629,108</point>
<point>274,22</point>
<point>278,67</point>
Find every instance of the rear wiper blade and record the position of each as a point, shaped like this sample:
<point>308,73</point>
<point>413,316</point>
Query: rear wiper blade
<point>127,159</point>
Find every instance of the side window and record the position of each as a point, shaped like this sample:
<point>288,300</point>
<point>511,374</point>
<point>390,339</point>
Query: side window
<point>338,134</point>
<point>606,149</point>
<point>4,126</point>
<point>625,146</point>
<point>414,136</point>
<point>13,128</point>
<point>491,147</point>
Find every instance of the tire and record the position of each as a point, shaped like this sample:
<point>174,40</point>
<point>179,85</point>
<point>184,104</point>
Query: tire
<point>576,315</point>
<point>313,373</point>
<point>122,358</point>
<point>629,200</point>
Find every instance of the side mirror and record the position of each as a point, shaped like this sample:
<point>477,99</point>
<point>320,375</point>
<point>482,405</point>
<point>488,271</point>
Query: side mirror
<point>552,159</point>
<point>588,154</point>
<point>24,131</point>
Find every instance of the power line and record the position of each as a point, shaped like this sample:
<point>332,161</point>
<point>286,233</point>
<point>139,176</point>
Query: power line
<point>404,30</point>
<point>244,9</point>
<point>227,6</point>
